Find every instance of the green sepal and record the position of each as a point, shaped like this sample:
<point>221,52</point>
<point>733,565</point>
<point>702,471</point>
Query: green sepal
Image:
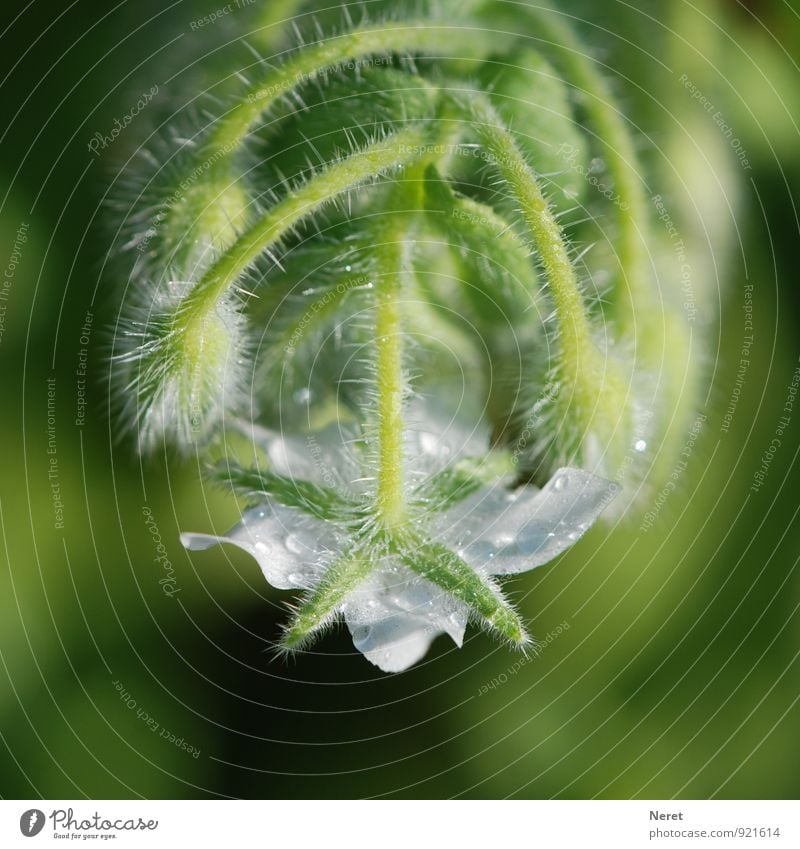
<point>457,482</point>
<point>317,500</point>
<point>341,578</point>
<point>444,568</point>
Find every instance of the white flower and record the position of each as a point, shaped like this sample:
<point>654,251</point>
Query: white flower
<point>395,614</point>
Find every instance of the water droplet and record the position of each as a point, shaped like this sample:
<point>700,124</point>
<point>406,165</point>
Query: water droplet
<point>560,483</point>
<point>295,545</point>
<point>296,578</point>
<point>348,268</point>
<point>302,396</point>
<point>429,443</point>
<point>640,446</point>
<point>482,552</point>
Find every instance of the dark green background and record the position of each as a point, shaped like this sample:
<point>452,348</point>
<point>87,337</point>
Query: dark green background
<point>679,674</point>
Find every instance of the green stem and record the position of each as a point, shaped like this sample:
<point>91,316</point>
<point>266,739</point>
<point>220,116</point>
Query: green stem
<point>506,282</point>
<point>389,339</point>
<point>593,390</point>
<point>547,236</point>
<point>271,21</point>
<point>635,296</point>
<point>334,180</point>
<point>313,60</point>
<point>391,259</point>
<point>216,156</point>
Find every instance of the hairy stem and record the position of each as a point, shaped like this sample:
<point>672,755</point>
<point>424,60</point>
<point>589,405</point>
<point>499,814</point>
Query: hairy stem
<point>391,259</point>
<point>593,394</point>
<point>334,180</point>
<point>546,233</point>
<point>271,20</point>
<point>635,297</point>
<point>311,61</point>
<point>389,339</point>
<point>217,153</point>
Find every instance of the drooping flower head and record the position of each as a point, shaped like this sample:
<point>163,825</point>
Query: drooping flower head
<point>378,220</point>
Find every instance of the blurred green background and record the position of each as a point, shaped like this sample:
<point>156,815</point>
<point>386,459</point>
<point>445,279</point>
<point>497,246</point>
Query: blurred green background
<point>678,674</point>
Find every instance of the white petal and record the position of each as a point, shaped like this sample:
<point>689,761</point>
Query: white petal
<point>394,616</point>
<point>503,533</point>
<point>436,437</point>
<point>291,548</point>
<point>325,456</point>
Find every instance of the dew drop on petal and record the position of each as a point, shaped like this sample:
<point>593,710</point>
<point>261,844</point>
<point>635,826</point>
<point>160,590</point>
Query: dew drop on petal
<point>295,544</point>
<point>288,561</point>
<point>533,529</point>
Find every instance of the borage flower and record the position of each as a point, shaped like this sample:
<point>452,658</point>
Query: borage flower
<point>370,258</point>
<point>399,588</point>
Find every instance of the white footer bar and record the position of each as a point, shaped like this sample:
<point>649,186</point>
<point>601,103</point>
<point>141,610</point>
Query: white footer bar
<point>401,824</point>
